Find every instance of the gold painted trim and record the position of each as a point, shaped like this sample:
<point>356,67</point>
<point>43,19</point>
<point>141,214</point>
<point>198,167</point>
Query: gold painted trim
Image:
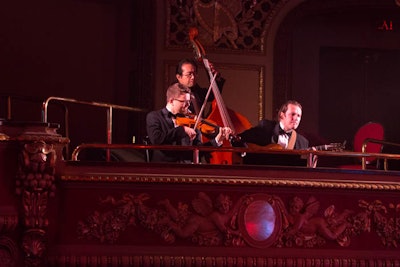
<point>237,181</point>
<point>261,95</point>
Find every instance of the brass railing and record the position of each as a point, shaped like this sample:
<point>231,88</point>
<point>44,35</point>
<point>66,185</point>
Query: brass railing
<point>376,141</point>
<point>109,112</point>
<point>306,154</point>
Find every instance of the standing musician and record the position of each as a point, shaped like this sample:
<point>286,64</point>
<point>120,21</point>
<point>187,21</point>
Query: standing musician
<point>163,128</point>
<point>186,74</point>
<point>219,113</point>
<point>281,132</point>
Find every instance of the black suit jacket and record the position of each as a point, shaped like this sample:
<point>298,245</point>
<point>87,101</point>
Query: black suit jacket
<point>264,134</point>
<point>161,131</point>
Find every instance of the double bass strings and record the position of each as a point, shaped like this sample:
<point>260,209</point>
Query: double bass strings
<point>205,101</point>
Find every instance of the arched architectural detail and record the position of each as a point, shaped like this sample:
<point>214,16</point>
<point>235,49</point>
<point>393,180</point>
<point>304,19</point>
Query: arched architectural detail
<point>270,31</point>
<point>278,36</point>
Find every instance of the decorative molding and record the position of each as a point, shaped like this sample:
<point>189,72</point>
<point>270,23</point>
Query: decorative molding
<point>252,220</point>
<point>9,253</point>
<point>236,180</point>
<point>35,184</point>
<point>223,261</point>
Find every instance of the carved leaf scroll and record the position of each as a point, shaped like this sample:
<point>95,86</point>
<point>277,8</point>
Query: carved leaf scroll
<point>256,220</point>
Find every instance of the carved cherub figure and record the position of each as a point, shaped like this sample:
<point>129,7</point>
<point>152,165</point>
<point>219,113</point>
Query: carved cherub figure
<point>302,219</point>
<point>207,225</point>
<point>223,213</point>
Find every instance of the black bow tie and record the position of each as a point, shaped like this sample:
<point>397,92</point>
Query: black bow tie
<point>282,132</point>
<point>170,115</point>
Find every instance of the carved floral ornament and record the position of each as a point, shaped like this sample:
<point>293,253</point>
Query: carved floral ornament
<point>36,167</point>
<point>254,220</point>
<point>35,182</point>
<point>226,24</point>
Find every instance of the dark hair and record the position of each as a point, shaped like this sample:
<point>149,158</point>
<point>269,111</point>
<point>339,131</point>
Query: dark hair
<point>284,107</point>
<point>185,61</point>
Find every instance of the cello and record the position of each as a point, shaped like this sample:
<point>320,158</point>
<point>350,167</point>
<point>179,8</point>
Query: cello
<point>220,114</point>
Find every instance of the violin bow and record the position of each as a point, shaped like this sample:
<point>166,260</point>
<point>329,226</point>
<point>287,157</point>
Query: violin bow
<point>205,102</point>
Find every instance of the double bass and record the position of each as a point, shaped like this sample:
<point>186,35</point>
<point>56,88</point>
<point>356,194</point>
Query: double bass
<point>220,114</point>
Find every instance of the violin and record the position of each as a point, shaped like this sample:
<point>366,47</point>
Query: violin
<point>206,127</point>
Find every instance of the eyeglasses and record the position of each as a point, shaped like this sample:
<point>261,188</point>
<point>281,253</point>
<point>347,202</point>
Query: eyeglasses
<point>190,74</point>
<point>183,101</point>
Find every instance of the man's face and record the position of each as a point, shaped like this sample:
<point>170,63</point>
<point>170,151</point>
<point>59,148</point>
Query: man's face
<point>180,104</point>
<point>291,118</point>
<point>188,77</point>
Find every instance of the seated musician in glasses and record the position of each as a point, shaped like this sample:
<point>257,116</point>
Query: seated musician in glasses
<point>163,129</point>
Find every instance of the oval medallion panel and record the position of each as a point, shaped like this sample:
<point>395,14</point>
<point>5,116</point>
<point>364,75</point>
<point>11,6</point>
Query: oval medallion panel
<point>260,221</point>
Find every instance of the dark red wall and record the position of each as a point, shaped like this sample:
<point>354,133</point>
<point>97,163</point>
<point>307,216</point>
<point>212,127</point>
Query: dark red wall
<point>80,49</point>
